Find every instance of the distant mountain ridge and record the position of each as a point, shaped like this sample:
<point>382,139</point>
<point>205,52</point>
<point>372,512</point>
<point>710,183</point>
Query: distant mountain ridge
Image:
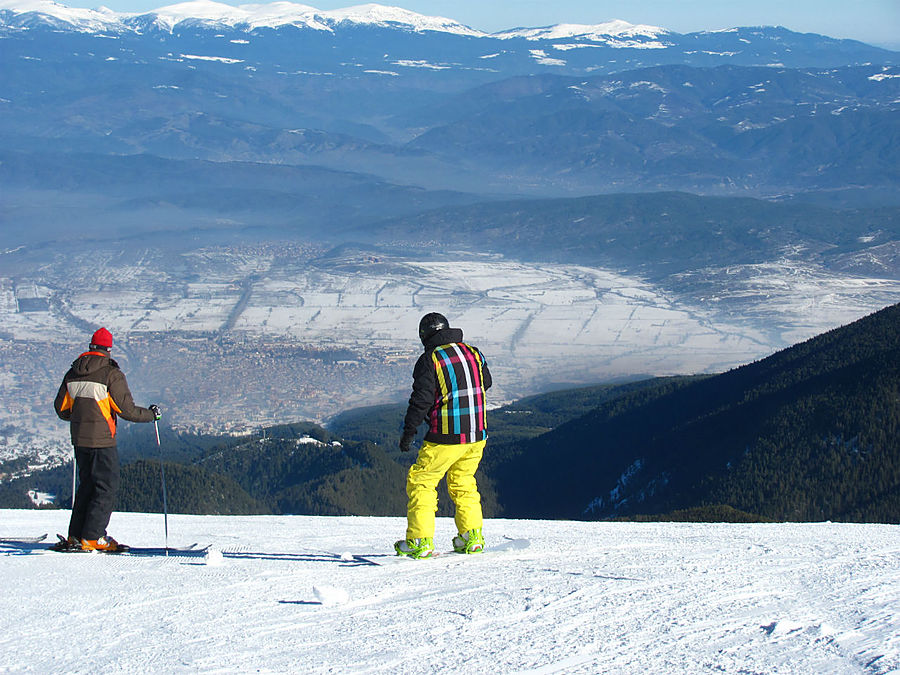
<point>710,130</point>
<point>566,109</point>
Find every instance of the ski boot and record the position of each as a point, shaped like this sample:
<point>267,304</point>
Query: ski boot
<point>415,548</point>
<point>469,542</point>
<point>105,544</point>
<point>66,544</point>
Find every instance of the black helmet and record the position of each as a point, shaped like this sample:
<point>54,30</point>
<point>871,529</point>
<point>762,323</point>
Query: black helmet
<point>431,324</point>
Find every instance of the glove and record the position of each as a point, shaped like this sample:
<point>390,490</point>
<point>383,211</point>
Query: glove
<point>406,441</point>
<point>157,413</point>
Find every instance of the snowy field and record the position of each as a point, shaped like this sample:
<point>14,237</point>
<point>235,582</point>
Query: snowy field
<point>287,595</point>
<point>569,317</point>
<point>540,326</point>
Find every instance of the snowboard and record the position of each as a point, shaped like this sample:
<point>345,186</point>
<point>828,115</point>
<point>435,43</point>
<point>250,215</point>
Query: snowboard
<point>505,545</point>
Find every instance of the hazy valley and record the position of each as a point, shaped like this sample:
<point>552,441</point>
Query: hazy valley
<point>233,339</point>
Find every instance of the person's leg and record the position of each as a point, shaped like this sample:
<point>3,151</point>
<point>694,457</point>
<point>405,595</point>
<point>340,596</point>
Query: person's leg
<point>464,490</point>
<point>421,486</point>
<point>84,458</point>
<point>106,484</point>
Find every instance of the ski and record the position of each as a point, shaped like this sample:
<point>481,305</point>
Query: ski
<point>22,540</point>
<point>148,551</point>
<point>194,550</point>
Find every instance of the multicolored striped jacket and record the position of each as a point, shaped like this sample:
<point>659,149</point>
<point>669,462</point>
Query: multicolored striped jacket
<point>449,384</point>
<point>92,393</point>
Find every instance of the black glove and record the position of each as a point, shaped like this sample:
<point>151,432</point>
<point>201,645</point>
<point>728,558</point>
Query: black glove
<point>406,441</point>
<point>157,413</point>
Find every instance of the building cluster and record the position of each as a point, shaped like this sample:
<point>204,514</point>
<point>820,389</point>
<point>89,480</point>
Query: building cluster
<point>233,383</point>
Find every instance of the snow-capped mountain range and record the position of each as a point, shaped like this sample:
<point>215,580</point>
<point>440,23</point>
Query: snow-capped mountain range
<point>360,36</point>
<point>279,14</point>
<point>216,14</point>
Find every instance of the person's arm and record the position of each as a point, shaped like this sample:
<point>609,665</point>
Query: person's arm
<point>422,398</point>
<point>121,396</point>
<point>486,379</point>
<point>63,402</point>
<point>420,401</point>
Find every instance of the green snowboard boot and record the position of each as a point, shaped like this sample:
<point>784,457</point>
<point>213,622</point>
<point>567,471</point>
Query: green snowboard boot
<point>469,542</point>
<point>415,548</point>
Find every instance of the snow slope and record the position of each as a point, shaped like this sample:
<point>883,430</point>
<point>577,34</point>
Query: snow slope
<point>287,596</point>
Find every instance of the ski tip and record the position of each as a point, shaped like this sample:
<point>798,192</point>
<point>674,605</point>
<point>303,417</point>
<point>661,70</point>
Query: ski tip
<point>22,540</point>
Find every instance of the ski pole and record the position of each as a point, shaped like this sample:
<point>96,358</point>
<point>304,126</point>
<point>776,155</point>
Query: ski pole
<point>162,472</point>
<point>74,471</point>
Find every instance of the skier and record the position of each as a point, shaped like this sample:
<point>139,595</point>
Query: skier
<point>449,383</point>
<point>93,392</point>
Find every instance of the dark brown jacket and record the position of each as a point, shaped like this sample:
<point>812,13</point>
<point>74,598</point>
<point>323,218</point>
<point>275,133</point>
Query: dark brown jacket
<point>92,393</point>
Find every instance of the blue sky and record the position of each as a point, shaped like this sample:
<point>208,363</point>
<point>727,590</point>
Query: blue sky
<point>873,21</point>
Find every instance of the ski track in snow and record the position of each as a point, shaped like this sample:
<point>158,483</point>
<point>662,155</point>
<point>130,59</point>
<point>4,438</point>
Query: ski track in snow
<point>288,595</point>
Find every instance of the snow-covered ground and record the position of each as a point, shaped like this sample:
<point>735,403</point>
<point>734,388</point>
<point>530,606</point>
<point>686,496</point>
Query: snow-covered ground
<point>287,596</point>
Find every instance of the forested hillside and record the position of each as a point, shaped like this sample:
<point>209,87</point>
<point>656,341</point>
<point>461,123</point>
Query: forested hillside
<point>810,433</point>
<point>657,234</point>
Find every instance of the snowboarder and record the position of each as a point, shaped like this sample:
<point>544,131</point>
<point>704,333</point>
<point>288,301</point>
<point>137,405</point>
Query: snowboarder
<point>449,383</point>
<point>93,392</point>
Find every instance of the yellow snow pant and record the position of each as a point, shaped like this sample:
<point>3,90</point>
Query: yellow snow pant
<point>459,462</point>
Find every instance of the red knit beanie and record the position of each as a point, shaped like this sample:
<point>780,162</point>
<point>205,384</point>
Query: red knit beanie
<point>102,338</point>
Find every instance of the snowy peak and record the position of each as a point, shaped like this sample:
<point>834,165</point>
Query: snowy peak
<point>32,12</point>
<point>277,14</point>
<point>386,17</point>
<point>615,32</point>
<point>208,12</point>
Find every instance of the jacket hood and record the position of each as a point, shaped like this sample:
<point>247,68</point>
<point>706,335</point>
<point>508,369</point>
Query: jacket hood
<point>91,362</point>
<point>444,337</point>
